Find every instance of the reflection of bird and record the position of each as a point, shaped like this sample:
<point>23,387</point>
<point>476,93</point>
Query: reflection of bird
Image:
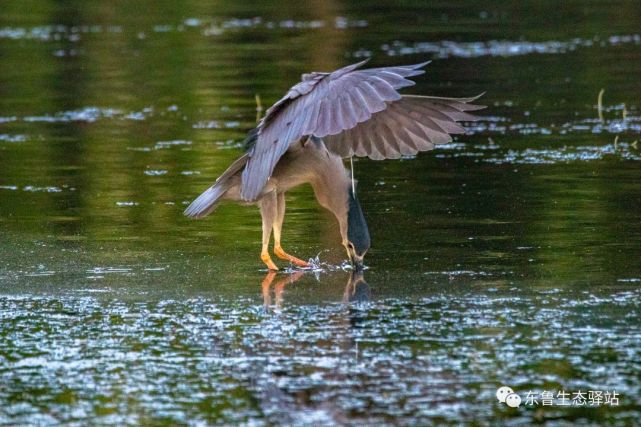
<point>356,289</point>
<point>326,117</point>
<point>279,286</point>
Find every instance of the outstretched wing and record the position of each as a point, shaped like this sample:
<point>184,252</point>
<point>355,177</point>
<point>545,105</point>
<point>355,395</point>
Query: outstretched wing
<point>405,127</point>
<point>322,104</point>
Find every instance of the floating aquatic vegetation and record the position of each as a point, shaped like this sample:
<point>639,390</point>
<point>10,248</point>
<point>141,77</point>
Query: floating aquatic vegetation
<point>156,172</point>
<point>210,124</point>
<point>47,189</point>
<point>87,114</point>
<point>210,26</point>
<point>470,273</point>
<point>173,143</point>
<point>110,270</point>
<point>565,154</point>
<point>12,138</point>
<point>504,48</point>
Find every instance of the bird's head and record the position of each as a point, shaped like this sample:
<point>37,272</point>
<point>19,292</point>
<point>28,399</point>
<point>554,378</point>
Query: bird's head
<point>357,242</point>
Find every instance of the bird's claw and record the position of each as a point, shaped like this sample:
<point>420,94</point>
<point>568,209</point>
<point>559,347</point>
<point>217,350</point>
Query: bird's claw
<point>280,253</point>
<point>268,262</point>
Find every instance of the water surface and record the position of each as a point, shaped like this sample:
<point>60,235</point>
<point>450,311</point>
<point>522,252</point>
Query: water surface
<point>510,256</point>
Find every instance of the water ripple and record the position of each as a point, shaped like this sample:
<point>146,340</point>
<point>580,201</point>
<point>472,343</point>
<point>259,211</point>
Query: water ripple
<point>414,360</point>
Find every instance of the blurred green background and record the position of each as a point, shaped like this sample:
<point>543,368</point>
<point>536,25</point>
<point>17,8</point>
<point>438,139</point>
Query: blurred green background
<point>115,115</point>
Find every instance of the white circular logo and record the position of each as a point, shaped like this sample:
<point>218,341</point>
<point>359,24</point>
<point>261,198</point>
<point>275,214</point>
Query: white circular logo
<point>503,392</point>
<point>513,400</point>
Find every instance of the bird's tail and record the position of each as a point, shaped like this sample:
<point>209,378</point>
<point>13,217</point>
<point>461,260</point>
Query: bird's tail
<point>206,203</point>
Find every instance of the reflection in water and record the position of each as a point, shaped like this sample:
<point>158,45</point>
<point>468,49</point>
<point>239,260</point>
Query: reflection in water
<point>356,290</point>
<point>520,245</point>
<point>332,339</point>
<point>279,287</point>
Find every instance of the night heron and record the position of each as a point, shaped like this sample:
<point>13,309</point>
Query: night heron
<point>305,136</point>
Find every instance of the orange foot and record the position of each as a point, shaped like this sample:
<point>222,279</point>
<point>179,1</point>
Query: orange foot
<point>280,253</point>
<point>268,261</point>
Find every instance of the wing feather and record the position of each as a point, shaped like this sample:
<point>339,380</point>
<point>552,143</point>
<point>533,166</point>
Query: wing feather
<point>384,89</point>
<point>373,101</point>
<point>405,127</point>
<point>324,118</point>
<point>364,145</point>
<point>361,105</point>
<point>337,123</point>
<point>390,141</point>
<point>312,118</point>
<point>376,146</point>
<point>346,109</point>
<point>349,107</point>
<point>427,108</point>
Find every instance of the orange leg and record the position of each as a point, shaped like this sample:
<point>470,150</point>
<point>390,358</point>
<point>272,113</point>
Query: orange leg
<point>268,214</point>
<point>280,253</point>
<point>278,227</point>
<point>264,256</point>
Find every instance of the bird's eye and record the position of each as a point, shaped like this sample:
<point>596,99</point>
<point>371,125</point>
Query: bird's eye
<point>349,245</point>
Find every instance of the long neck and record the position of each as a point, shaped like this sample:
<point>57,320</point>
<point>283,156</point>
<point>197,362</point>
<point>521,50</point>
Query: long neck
<point>331,183</point>
<point>333,188</point>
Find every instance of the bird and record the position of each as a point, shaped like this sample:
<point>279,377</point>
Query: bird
<point>306,135</point>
